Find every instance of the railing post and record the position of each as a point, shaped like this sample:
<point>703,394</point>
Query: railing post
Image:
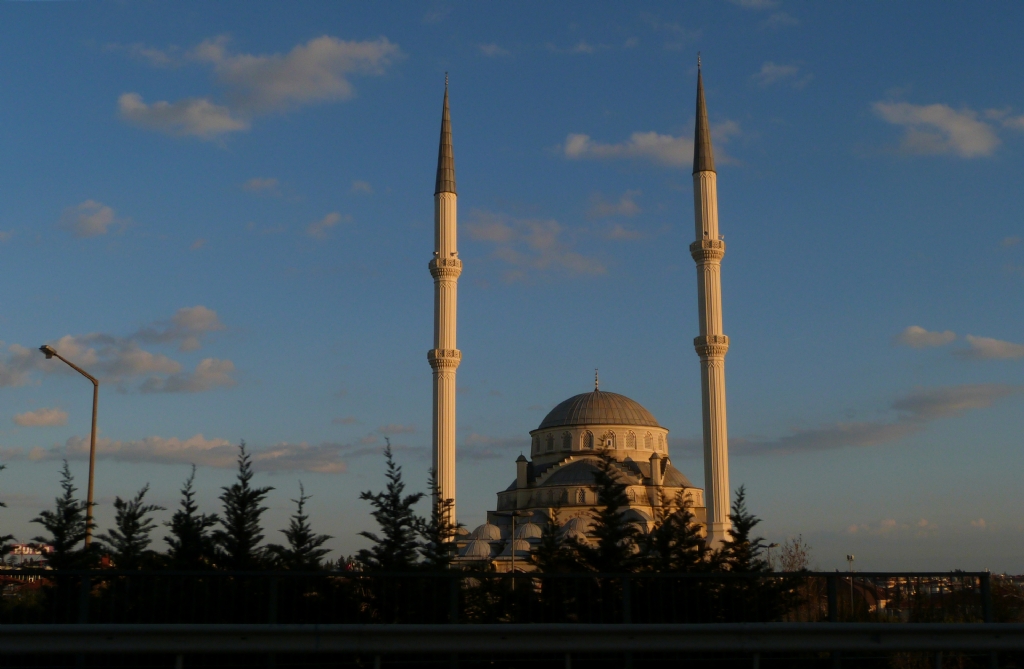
<point>453,598</point>
<point>272,600</point>
<point>627,613</point>
<point>986,597</point>
<point>83,599</point>
<point>832,595</point>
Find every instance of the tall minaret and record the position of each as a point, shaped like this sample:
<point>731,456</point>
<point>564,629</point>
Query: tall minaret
<point>711,345</point>
<point>444,358</point>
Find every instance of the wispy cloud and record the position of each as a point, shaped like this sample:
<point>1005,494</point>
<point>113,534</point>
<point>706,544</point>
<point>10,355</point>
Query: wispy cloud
<point>363,187</point>
<point>90,219</point>
<point>482,447</point>
<point>913,413</point>
<point>1010,241</point>
<point>939,129</point>
<point>530,246</point>
<point>395,428</point>
<point>256,84</point>
<point>42,418</point>
<point>121,360</point>
<point>347,420</point>
<point>652,146</point>
<point>775,73</point>
<point>890,526</point>
<point>267,185</point>
<point>986,348</point>
<point>492,50</point>
<point>319,229</point>
<point>916,336</point>
<point>626,205</point>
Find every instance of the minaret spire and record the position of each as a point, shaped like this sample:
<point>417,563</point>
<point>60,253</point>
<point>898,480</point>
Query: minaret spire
<point>445,357</point>
<point>712,344</point>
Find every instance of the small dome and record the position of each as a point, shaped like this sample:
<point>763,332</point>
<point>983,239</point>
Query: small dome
<point>528,531</point>
<point>598,408</point>
<point>486,532</point>
<point>521,546</point>
<point>476,549</point>
<point>576,527</point>
<point>461,531</point>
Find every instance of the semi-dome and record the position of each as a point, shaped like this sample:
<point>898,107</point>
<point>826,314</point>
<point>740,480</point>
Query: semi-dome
<point>598,408</point>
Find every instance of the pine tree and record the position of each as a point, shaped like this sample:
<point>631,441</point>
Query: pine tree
<point>191,546</point>
<point>67,525</point>
<point>238,543</point>
<point>304,551</point>
<point>129,543</point>
<point>438,532</point>
<point>396,548</point>
<point>740,553</point>
<point>551,554</point>
<point>675,543</point>
<point>615,538</point>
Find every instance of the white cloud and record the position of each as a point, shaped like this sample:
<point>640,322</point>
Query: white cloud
<point>359,186</point>
<point>312,72</point>
<point>492,50</point>
<point>1014,122</point>
<point>663,149</point>
<point>89,219</point>
<point>209,374</point>
<point>530,246</point>
<point>626,206</point>
<point>186,328</point>
<point>986,348</point>
<point>913,413</point>
<point>916,336</point>
<point>319,229</point>
<point>268,185</point>
<point>152,55</point>
<point>42,418</point>
<point>939,129</point>
<point>774,73</point>
<point>197,117</point>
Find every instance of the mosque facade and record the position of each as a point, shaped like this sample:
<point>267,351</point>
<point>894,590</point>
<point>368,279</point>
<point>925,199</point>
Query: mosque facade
<point>556,484</point>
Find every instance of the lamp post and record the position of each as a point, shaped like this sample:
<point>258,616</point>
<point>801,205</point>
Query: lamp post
<point>512,540</point>
<point>770,546</point>
<point>50,352</point>
<point>849,561</point>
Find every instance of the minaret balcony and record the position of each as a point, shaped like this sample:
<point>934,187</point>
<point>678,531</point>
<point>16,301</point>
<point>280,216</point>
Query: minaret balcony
<point>707,250</point>
<point>449,268</point>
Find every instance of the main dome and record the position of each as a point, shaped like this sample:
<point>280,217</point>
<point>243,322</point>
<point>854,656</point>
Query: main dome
<point>598,408</point>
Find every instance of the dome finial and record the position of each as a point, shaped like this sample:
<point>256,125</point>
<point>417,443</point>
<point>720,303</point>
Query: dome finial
<point>597,384</point>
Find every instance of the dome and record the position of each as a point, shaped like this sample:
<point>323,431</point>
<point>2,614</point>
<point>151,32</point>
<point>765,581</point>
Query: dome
<point>576,528</point>
<point>598,408</point>
<point>476,549</point>
<point>486,532</point>
<point>521,546</point>
<point>528,531</point>
<point>581,472</point>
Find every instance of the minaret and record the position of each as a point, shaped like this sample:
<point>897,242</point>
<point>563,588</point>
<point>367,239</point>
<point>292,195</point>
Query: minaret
<point>711,345</point>
<point>444,358</point>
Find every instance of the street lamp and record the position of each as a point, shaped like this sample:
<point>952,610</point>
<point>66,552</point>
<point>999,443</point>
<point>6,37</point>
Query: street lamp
<point>512,540</point>
<point>50,352</point>
<point>849,561</point>
<point>770,547</point>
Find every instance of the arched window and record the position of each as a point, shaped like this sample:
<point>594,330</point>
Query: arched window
<point>648,441</point>
<point>581,496</point>
<point>661,442</point>
<point>631,439</point>
<point>551,442</point>
<point>536,443</point>
<point>631,495</point>
<point>608,440</point>
<point>564,497</point>
<point>588,440</point>
<point>566,441</point>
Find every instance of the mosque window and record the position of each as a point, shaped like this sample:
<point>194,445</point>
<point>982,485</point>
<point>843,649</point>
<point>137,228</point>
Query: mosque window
<point>661,443</point>
<point>631,440</point>
<point>566,441</point>
<point>608,440</point>
<point>536,443</point>
<point>588,440</point>
<point>632,496</point>
<point>648,441</point>
<point>551,442</point>
<point>581,496</point>
<point>564,497</point>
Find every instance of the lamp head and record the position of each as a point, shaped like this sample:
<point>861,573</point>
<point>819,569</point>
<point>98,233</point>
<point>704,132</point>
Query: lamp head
<point>47,351</point>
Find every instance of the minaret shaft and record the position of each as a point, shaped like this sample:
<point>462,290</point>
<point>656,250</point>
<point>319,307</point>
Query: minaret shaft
<point>712,344</point>
<point>445,357</point>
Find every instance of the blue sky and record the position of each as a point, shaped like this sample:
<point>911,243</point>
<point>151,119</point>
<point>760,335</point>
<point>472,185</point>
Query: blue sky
<point>224,210</point>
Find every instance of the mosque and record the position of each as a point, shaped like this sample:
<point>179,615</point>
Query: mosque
<point>556,484</point>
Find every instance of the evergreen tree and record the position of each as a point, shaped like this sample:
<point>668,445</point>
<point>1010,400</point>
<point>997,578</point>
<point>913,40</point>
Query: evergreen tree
<point>129,543</point>
<point>740,553</point>
<point>551,554</point>
<point>615,538</point>
<point>191,546</point>
<point>439,531</point>
<point>238,543</point>
<point>396,548</point>
<point>675,543</point>
<point>67,525</point>
<point>304,551</point>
